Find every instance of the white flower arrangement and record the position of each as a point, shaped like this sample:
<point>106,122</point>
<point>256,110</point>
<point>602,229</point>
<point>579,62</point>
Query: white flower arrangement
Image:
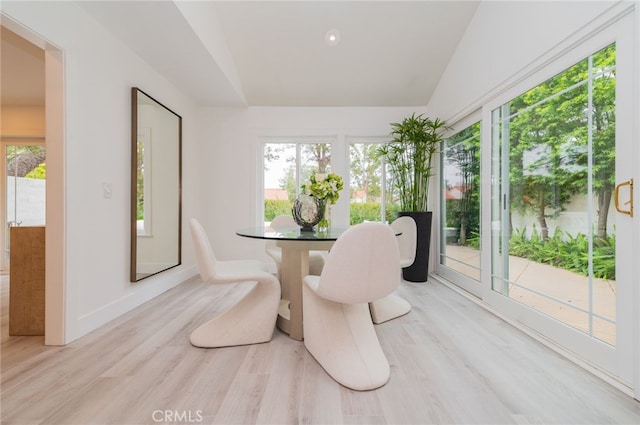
<point>325,187</point>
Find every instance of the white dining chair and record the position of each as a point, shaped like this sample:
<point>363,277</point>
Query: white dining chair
<point>363,265</point>
<point>394,306</point>
<point>252,319</point>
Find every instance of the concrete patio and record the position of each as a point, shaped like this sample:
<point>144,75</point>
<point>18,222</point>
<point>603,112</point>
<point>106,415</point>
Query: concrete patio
<point>531,279</point>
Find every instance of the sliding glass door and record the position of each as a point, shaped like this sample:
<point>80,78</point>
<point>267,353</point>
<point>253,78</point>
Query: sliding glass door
<point>554,174</point>
<point>552,246</point>
<point>561,253</point>
<point>460,208</point>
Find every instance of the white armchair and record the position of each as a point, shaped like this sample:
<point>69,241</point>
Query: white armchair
<point>252,319</point>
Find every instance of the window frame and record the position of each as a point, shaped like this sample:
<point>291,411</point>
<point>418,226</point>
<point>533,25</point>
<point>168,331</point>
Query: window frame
<point>288,140</point>
<point>364,140</point>
<point>465,282</point>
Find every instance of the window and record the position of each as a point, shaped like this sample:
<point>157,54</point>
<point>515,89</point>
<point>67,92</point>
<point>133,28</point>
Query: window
<point>365,183</point>
<point>553,176</point>
<point>143,182</point>
<point>460,202</point>
<point>287,164</point>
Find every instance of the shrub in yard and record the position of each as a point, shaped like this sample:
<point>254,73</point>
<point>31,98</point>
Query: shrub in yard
<point>361,211</point>
<point>566,251</point>
<point>274,207</point>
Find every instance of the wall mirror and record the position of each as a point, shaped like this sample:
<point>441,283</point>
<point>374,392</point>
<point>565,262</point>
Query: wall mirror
<point>156,173</point>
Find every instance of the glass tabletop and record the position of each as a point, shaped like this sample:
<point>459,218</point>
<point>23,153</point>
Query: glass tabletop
<point>291,233</point>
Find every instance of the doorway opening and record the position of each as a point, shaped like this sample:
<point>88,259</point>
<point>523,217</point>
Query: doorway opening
<point>32,124</point>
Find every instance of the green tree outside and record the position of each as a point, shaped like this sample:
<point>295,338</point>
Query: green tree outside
<point>548,128</point>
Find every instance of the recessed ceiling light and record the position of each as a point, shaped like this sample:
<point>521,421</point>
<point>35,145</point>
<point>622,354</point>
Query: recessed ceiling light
<point>332,37</point>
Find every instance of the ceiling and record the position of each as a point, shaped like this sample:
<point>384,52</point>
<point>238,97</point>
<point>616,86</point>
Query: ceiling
<point>273,53</point>
<point>390,53</point>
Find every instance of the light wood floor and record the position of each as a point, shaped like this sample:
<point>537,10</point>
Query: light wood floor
<point>451,362</point>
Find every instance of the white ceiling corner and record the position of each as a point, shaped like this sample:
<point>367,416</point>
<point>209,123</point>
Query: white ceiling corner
<point>160,34</point>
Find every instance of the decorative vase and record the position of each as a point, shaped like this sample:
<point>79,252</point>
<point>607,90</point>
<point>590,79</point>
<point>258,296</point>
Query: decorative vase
<point>325,223</point>
<point>307,211</point>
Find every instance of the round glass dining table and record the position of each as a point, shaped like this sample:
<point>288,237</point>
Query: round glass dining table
<point>295,245</point>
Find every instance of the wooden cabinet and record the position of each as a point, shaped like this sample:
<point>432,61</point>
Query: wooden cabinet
<point>26,284</point>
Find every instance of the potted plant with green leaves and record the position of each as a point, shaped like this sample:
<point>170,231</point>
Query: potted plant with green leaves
<point>409,158</point>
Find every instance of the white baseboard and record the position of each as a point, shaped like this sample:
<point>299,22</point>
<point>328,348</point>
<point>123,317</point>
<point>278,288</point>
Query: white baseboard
<point>141,293</point>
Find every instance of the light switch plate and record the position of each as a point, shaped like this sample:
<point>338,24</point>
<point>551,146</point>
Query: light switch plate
<point>106,190</point>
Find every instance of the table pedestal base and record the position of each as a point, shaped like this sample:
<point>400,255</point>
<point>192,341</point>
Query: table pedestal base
<point>295,266</point>
<point>284,317</point>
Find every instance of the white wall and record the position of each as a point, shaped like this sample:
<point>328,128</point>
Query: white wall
<point>230,161</point>
<point>99,73</point>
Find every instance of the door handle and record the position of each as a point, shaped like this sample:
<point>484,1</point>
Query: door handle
<point>616,198</point>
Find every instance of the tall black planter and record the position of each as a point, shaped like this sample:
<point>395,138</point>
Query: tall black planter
<point>419,270</point>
